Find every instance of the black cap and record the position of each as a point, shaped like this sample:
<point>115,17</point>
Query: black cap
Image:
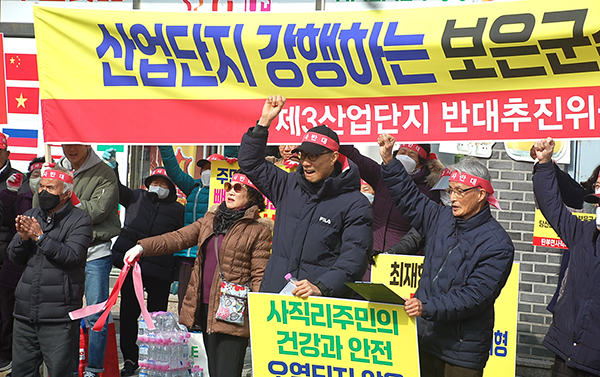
<point>313,148</point>
<point>592,198</point>
<point>202,163</point>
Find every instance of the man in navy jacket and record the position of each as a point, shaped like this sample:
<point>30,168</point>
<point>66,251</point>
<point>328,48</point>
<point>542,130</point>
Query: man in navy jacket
<point>322,232</point>
<point>468,257</point>
<point>573,335</point>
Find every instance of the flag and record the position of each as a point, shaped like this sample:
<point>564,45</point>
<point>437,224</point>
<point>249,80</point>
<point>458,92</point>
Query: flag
<point>21,137</point>
<point>3,115</point>
<point>21,67</point>
<point>23,100</point>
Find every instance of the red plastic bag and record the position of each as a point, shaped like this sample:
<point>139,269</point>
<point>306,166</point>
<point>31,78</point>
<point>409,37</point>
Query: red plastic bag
<point>111,357</point>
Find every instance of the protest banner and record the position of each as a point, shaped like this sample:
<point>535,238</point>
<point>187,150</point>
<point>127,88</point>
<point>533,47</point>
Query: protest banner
<point>402,274</point>
<point>330,337</point>
<point>544,234</point>
<point>461,72</point>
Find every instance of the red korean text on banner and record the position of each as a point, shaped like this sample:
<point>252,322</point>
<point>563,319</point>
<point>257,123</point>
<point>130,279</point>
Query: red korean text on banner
<point>21,67</point>
<point>23,100</point>
<point>3,113</point>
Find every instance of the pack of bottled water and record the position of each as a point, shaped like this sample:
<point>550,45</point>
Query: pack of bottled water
<point>164,351</point>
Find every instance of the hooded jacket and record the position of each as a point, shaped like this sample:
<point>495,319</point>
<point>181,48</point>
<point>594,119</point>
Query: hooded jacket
<point>53,281</point>
<point>575,329</point>
<point>148,216</point>
<point>389,226</point>
<point>243,255</point>
<point>197,195</point>
<point>323,235</point>
<point>96,186</point>
<point>467,262</point>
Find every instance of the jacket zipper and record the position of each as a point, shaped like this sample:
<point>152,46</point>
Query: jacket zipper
<point>445,260</point>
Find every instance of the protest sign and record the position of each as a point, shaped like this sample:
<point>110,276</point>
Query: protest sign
<point>402,274</point>
<point>465,72</point>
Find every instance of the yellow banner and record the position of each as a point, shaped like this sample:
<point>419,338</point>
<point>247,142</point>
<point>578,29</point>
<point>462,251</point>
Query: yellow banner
<point>544,235</point>
<point>99,54</point>
<point>402,274</point>
<point>323,337</point>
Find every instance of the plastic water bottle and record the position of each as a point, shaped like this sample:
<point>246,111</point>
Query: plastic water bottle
<point>143,369</point>
<point>290,286</point>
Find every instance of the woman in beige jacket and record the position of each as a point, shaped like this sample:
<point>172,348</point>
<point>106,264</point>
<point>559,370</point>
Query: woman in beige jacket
<point>243,248</point>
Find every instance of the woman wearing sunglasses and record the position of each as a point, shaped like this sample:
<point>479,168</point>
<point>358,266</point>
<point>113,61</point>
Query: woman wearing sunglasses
<point>243,244</point>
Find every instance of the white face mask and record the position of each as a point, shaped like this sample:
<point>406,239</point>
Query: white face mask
<point>409,163</point>
<point>34,184</point>
<point>160,191</point>
<point>205,177</point>
<point>369,196</point>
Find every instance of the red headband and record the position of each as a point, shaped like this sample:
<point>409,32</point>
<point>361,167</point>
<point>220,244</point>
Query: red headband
<point>241,178</point>
<point>37,165</point>
<point>55,174</point>
<point>420,150</point>
<point>322,140</point>
<point>473,181</point>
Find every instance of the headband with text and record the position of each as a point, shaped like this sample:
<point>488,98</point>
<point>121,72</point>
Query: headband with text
<point>473,181</point>
<point>322,140</point>
<point>241,178</point>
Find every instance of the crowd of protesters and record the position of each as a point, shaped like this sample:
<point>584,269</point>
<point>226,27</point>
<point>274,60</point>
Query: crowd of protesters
<point>336,210</point>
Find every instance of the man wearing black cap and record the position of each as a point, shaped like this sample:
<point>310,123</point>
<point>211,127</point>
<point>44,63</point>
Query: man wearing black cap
<point>575,329</point>
<point>322,232</point>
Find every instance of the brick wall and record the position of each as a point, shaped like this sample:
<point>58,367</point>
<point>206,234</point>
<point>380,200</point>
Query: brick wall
<point>539,266</point>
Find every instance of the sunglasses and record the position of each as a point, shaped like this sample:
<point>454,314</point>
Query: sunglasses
<point>237,187</point>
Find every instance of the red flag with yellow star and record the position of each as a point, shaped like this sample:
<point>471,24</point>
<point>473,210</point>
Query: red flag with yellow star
<point>23,100</point>
<point>21,67</point>
<point>3,115</point>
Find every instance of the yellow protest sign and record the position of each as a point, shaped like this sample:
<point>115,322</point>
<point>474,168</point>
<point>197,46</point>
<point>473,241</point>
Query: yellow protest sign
<point>402,274</point>
<point>544,235</point>
<point>322,337</point>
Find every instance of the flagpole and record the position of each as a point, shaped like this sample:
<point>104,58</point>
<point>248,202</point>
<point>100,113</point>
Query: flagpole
<point>47,153</point>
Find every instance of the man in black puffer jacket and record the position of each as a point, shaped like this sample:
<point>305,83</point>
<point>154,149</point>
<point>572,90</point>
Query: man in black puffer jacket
<point>468,257</point>
<point>52,242</point>
<point>149,213</point>
<point>322,234</point>
<point>575,329</point>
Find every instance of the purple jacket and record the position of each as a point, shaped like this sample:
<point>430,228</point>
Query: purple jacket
<point>389,226</point>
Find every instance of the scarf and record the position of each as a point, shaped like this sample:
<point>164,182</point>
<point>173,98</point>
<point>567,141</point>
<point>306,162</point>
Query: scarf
<point>225,217</point>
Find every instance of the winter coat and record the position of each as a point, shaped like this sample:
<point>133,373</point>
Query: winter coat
<point>467,262</point>
<point>53,282</point>
<point>95,184</point>
<point>321,235</point>
<point>197,195</point>
<point>389,226</point>
<point>243,255</point>
<point>575,329</point>
<point>148,216</point>
<point>13,204</point>
<point>7,226</point>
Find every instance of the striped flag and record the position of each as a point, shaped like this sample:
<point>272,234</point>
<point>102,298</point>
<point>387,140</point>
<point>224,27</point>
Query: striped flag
<point>3,115</point>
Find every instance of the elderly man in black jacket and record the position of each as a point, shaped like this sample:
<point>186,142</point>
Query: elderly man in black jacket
<point>52,242</point>
<point>322,232</point>
<point>468,258</point>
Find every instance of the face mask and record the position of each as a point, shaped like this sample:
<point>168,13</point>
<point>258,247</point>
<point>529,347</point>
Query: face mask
<point>160,191</point>
<point>205,178</point>
<point>598,218</point>
<point>48,201</point>
<point>369,196</point>
<point>34,184</point>
<point>409,163</point>
<point>445,199</point>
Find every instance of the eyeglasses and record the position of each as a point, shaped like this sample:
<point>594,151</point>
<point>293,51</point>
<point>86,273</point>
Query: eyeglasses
<point>459,192</point>
<point>310,156</point>
<point>237,187</point>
